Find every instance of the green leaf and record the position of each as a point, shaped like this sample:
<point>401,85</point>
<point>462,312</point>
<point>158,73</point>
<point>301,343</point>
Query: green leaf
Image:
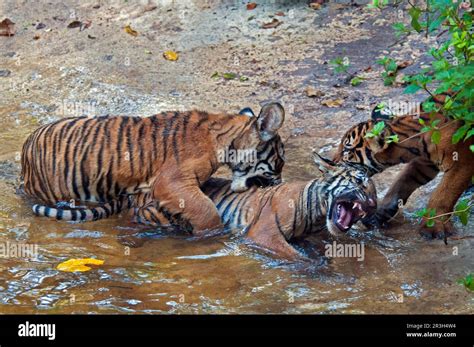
<point>436,137</point>
<point>388,81</point>
<point>421,213</point>
<point>392,66</point>
<point>462,211</point>
<point>215,75</point>
<point>378,128</point>
<point>467,282</point>
<point>411,89</point>
<point>469,134</point>
<point>471,147</point>
<point>414,13</point>
<point>356,81</point>
<point>229,75</point>
<point>460,133</point>
<point>392,139</point>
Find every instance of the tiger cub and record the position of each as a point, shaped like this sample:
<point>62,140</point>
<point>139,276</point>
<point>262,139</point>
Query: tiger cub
<point>169,155</point>
<point>270,161</point>
<point>424,160</point>
<point>273,215</point>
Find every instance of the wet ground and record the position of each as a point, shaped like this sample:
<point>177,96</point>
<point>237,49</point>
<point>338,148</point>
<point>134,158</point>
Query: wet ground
<point>55,71</point>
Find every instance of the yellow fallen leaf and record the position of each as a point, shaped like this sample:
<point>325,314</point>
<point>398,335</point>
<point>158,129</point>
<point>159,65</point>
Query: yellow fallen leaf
<point>170,55</point>
<point>332,103</point>
<point>73,265</point>
<point>129,30</point>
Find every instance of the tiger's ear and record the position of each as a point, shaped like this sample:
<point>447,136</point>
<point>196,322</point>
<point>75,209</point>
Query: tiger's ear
<point>270,120</point>
<point>381,112</point>
<point>247,112</point>
<point>323,164</point>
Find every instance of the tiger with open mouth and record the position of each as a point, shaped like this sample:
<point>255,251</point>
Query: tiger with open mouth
<point>271,216</point>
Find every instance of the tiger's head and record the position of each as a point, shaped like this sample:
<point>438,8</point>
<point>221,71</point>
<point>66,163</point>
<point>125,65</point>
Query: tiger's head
<point>266,158</point>
<point>349,193</point>
<point>378,150</point>
<point>355,147</point>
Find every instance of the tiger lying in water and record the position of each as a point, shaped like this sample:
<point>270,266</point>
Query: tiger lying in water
<point>168,156</point>
<point>270,215</point>
<point>274,215</point>
<point>424,161</point>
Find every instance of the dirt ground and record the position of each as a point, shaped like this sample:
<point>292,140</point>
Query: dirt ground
<point>49,71</point>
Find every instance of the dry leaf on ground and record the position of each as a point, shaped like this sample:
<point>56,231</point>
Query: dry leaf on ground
<point>332,103</point>
<point>404,64</point>
<point>313,92</point>
<point>128,29</point>
<point>171,55</point>
<point>251,5</point>
<point>273,24</point>
<point>7,27</point>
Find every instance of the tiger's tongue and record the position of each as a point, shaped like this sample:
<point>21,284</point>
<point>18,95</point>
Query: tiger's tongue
<point>344,217</point>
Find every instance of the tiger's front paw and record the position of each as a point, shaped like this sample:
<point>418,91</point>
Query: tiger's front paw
<point>439,231</point>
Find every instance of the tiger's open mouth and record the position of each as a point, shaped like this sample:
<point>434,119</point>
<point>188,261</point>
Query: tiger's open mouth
<point>346,213</point>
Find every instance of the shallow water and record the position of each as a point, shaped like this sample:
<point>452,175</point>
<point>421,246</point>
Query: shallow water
<point>148,271</point>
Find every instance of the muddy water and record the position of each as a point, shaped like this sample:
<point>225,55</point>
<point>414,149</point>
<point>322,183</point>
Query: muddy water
<point>148,271</point>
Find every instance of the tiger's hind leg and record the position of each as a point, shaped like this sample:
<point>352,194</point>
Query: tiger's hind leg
<point>415,174</point>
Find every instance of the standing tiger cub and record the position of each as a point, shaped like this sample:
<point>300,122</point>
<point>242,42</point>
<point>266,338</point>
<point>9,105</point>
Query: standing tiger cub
<point>169,155</point>
<point>424,160</point>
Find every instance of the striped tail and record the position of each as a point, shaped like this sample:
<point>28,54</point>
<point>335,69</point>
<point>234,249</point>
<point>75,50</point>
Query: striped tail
<point>83,214</point>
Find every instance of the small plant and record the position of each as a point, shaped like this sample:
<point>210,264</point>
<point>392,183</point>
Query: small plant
<point>462,210</point>
<point>355,81</point>
<point>378,4</point>
<point>467,282</point>
<point>341,65</point>
<point>391,68</point>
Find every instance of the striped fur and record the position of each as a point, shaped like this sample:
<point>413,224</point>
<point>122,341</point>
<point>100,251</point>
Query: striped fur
<point>424,160</point>
<point>105,159</point>
<point>271,159</point>
<point>273,215</point>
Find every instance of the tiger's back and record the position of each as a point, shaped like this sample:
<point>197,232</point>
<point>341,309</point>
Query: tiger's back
<point>98,159</point>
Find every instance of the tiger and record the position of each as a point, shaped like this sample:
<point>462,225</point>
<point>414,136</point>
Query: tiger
<point>169,155</point>
<point>272,216</point>
<point>423,158</point>
<point>271,157</point>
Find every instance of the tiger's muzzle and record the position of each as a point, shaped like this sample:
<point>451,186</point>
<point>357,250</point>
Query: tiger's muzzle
<point>349,209</point>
